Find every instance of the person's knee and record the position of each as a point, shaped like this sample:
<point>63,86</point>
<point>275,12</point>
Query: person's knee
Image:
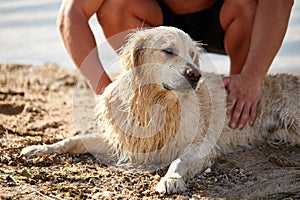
<point>115,11</point>
<point>116,16</point>
<point>240,11</point>
<point>246,9</point>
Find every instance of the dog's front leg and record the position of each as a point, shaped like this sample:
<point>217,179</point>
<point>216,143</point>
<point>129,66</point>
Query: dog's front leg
<point>91,143</point>
<point>193,161</point>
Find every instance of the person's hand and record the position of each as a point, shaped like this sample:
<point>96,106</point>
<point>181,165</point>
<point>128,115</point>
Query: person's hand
<point>243,96</point>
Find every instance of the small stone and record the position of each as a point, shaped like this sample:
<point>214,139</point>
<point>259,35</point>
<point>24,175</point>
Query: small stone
<point>11,181</point>
<point>156,177</point>
<point>208,170</point>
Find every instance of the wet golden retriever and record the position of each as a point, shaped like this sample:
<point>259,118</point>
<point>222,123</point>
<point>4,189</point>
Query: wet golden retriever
<point>164,110</point>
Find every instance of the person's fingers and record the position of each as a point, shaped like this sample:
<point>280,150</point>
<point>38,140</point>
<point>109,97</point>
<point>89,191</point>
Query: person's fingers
<point>239,106</point>
<point>253,111</point>
<point>230,103</point>
<point>244,116</point>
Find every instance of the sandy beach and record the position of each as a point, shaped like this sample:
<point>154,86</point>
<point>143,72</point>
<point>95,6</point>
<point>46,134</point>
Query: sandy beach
<point>37,107</point>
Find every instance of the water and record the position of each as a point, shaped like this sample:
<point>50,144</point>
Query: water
<point>28,34</point>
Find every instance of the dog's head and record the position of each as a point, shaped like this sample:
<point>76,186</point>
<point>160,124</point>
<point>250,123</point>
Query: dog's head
<point>165,56</point>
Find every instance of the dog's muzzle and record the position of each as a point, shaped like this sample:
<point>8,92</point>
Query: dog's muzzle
<point>192,76</point>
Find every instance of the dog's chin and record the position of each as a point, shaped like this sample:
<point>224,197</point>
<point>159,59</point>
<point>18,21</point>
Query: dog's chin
<point>180,88</point>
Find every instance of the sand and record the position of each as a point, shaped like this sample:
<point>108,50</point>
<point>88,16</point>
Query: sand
<point>36,107</point>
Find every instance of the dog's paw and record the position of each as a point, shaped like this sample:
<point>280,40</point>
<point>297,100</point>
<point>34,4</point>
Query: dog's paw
<point>170,185</point>
<point>34,151</point>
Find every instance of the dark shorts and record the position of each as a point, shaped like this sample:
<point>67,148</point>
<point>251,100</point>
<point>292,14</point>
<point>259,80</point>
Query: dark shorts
<point>203,26</point>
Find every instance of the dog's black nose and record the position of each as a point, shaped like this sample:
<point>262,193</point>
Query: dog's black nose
<point>193,75</point>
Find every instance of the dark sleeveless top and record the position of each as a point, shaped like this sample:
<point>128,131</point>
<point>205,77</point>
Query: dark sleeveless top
<point>203,26</point>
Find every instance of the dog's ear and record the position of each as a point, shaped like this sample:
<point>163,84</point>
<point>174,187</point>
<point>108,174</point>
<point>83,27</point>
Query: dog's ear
<point>131,52</point>
<point>138,53</point>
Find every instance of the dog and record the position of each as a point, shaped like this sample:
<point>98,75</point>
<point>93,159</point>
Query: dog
<point>164,110</point>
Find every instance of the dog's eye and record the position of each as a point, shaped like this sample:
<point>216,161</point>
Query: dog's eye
<point>168,51</point>
<point>192,54</point>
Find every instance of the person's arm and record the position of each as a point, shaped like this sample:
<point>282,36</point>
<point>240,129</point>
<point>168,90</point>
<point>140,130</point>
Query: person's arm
<point>269,28</point>
<point>79,40</point>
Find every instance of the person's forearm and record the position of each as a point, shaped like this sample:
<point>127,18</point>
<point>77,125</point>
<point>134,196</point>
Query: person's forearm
<point>81,46</point>
<point>269,28</point>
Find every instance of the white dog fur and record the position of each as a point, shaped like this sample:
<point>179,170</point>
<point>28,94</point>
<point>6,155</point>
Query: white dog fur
<point>152,115</point>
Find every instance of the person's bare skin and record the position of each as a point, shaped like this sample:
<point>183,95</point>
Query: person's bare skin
<point>254,31</point>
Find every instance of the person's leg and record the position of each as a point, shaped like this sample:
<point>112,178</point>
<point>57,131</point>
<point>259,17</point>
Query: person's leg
<point>236,19</point>
<point>116,16</point>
